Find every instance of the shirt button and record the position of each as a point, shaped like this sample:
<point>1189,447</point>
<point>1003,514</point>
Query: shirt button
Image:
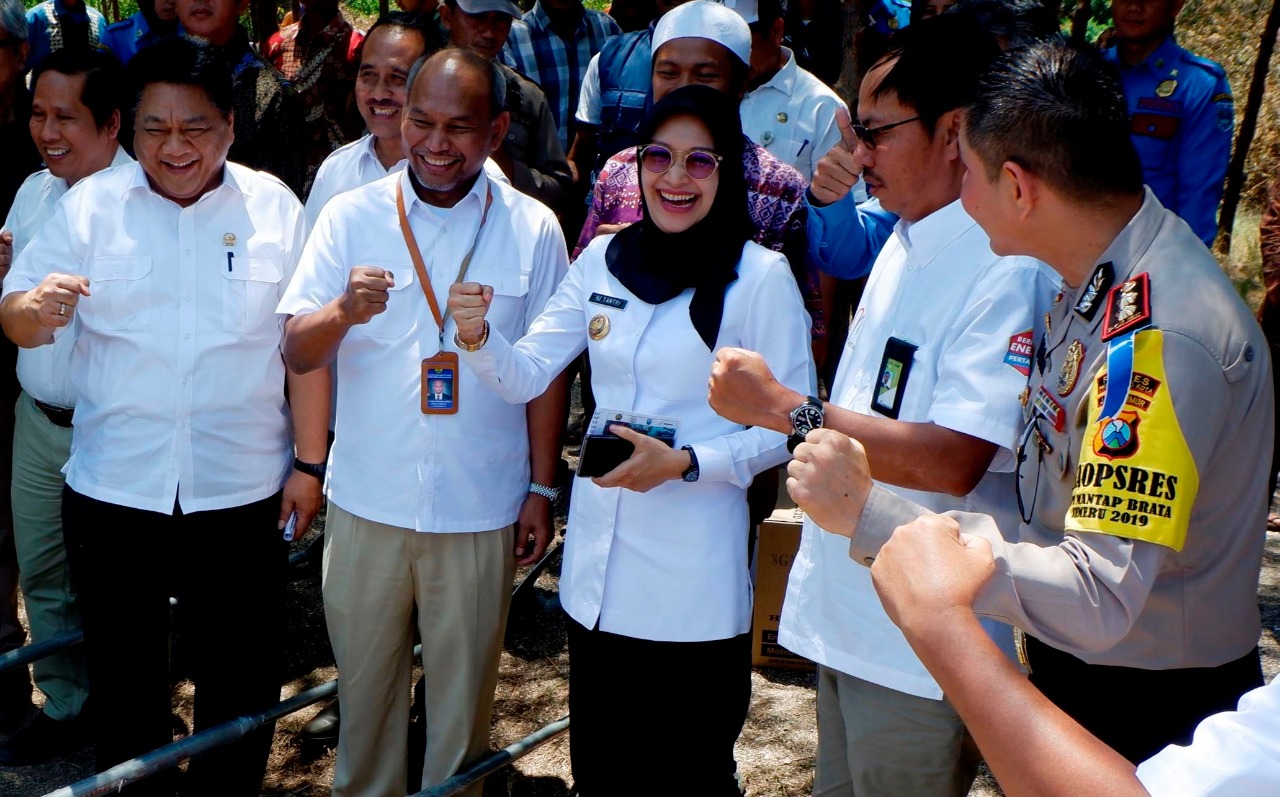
<point>187,336</point>
<point>1248,353</point>
<point>186,298</point>
<point>869,561</point>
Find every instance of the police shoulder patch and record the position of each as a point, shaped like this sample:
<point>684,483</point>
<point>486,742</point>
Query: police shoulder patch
<point>1128,306</point>
<point>1136,476</point>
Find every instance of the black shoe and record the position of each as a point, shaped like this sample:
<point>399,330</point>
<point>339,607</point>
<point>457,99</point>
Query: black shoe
<point>43,739</point>
<point>323,727</point>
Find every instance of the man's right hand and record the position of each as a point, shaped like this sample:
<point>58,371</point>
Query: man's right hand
<point>53,302</point>
<point>837,171</point>
<point>6,253</point>
<point>366,294</point>
<point>959,565</point>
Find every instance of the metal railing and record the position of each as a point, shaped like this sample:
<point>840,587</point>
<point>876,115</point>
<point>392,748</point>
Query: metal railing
<point>504,757</point>
<point>173,754</point>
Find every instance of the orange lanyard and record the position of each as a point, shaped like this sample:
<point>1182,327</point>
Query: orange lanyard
<point>416,255</point>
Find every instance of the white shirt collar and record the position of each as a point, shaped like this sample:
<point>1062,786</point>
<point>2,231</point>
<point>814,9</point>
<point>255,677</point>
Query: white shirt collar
<point>475,196</point>
<point>229,182</point>
<point>927,238</point>
<point>784,80</point>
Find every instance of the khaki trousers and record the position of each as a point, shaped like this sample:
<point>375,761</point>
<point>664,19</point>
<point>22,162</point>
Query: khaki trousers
<point>374,574</point>
<point>878,742</point>
<point>40,449</point>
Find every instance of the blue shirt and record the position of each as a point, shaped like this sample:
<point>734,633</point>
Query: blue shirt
<point>1181,123</point>
<point>45,24</point>
<point>845,237</point>
<point>538,53</point>
<point>126,37</point>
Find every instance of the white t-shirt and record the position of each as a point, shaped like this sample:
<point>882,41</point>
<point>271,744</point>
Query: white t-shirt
<point>972,315</point>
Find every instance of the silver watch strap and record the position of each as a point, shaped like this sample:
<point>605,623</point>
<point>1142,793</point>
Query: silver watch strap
<point>549,493</point>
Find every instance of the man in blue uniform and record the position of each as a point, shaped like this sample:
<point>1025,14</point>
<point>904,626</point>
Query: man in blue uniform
<point>1180,109</point>
<point>154,20</point>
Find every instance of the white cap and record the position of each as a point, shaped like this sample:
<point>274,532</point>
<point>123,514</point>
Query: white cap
<point>703,19</point>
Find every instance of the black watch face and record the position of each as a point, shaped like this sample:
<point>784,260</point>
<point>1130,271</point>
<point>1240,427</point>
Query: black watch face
<point>806,418</point>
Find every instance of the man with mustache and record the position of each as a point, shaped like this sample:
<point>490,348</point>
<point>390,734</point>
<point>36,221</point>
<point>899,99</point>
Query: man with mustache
<point>412,522</point>
<point>391,48</point>
<point>939,350</point>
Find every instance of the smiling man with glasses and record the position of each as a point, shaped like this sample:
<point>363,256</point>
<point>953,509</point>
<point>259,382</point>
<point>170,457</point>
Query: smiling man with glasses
<point>939,350</point>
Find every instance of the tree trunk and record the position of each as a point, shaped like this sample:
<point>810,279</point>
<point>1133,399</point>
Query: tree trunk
<point>1248,125</point>
<point>1080,23</point>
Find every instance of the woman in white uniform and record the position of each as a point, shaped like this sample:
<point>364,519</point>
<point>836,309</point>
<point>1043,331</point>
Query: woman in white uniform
<point>655,579</point>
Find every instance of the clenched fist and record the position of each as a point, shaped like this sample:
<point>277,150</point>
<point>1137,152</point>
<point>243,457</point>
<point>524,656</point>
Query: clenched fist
<point>468,304</point>
<point>366,294</point>
<point>742,389</point>
<point>958,566</point>
<point>830,480</point>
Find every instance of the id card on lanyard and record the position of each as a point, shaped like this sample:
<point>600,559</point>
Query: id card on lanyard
<point>439,386</point>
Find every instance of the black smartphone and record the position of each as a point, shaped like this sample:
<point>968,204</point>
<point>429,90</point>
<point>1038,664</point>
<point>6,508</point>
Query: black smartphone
<point>602,453</point>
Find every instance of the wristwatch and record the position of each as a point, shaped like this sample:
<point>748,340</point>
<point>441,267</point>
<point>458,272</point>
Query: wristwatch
<point>804,419</point>
<point>691,473</point>
<point>549,493</point>
<point>309,468</point>
<point>477,346</point>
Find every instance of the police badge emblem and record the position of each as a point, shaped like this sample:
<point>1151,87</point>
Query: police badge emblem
<point>598,327</point>
<point>1069,373</point>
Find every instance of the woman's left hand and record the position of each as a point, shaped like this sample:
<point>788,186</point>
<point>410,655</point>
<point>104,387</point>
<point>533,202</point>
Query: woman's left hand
<point>652,463</point>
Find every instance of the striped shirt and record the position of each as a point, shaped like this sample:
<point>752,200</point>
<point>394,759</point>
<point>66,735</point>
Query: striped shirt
<point>534,50</point>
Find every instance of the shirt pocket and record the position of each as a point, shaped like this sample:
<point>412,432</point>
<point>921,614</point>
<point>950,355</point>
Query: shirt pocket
<point>507,313</point>
<point>402,311</point>
<point>250,296</point>
<point>1154,136</point>
<point>121,293</point>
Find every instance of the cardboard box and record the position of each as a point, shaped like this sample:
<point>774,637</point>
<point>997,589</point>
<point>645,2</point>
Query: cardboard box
<point>776,545</point>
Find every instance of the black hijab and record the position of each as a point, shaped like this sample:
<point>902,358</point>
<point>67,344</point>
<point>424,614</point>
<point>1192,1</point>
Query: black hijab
<point>658,266</point>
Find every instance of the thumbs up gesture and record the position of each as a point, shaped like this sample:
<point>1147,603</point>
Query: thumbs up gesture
<point>838,170</point>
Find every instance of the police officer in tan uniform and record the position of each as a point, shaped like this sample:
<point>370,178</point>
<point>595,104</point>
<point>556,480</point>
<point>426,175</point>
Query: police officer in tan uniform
<point>1148,425</point>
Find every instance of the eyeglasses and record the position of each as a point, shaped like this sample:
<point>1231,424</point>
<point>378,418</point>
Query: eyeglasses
<point>698,163</point>
<point>867,135</point>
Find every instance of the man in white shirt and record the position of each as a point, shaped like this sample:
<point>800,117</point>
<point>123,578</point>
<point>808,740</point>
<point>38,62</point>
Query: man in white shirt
<point>166,274</point>
<point>390,49</point>
<point>786,109</point>
<point>427,507</point>
<point>79,97</point>
<point>936,359</point>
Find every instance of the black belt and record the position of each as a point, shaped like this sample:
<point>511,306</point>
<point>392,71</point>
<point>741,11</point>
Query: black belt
<point>57,416</point>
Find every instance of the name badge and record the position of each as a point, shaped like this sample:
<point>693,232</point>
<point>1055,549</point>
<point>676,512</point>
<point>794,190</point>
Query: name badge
<point>608,301</point>
<point>440,384</point>
<point>895,367</point>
